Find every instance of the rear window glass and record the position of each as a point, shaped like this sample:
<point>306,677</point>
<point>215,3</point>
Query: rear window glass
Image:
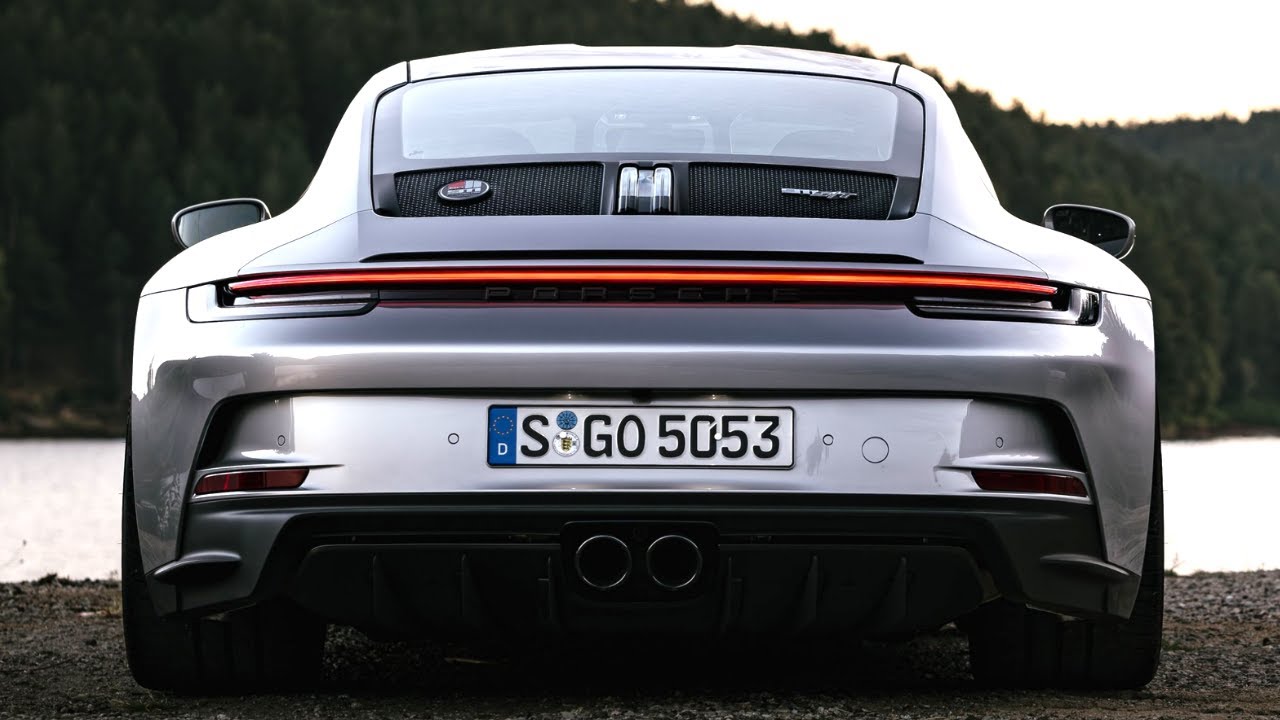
<point>655,112</point>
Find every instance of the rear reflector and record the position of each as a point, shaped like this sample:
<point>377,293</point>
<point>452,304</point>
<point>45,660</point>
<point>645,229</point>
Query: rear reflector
<point>823,277</point>
<point>1029,482</point>
<point>251,480</point>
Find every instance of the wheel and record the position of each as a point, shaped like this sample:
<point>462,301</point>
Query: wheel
<point>1013,646</point>
<point>270,646</point>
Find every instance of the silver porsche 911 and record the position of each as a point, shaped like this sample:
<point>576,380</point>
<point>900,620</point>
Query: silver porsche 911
<point>618,343</point>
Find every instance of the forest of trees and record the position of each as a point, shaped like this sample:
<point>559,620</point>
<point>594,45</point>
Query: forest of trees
<point>1223,148</point>
<point>116,114</point>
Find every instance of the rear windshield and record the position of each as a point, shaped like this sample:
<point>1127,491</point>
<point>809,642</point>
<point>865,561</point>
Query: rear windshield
<point>655,112</point>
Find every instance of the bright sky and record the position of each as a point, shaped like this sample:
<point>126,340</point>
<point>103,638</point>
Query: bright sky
<point>1090,60</point>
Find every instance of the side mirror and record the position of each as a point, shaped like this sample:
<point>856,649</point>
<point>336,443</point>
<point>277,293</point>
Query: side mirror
<point>200,222</point>
<point>1107,229</point>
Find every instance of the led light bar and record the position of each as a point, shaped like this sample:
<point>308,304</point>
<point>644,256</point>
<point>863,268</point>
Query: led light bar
<point>329,280</point>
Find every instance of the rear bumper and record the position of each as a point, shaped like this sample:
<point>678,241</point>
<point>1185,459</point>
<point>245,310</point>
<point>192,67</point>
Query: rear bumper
<point>941,392</point>
<point>501,564</point>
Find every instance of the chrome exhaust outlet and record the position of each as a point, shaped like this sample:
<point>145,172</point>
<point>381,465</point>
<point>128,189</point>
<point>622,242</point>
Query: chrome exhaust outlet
<point>674,562</point>
<point>603,562</point>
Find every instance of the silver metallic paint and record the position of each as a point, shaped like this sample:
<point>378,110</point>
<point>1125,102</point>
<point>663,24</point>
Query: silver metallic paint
<point>368,235</point>
<point>408,451</point>
<point>1103,375</point>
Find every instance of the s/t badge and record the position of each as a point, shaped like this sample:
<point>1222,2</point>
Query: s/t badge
<point>824,194</point>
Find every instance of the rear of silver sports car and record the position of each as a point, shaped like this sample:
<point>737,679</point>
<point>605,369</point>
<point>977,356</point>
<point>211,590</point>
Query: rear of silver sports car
<point>648,382</point>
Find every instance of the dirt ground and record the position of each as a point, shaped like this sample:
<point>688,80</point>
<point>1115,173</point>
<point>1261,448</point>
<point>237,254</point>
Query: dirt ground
<point>61,654</point>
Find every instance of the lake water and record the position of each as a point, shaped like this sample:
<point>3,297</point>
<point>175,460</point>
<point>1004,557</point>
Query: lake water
<point>60,506</point>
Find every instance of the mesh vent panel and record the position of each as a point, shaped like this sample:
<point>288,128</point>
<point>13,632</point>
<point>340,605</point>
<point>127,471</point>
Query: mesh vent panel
<point>549,189</point>
<point>756,190</point>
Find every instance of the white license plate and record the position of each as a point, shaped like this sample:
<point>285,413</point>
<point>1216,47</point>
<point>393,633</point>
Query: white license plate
<point>648,436</point>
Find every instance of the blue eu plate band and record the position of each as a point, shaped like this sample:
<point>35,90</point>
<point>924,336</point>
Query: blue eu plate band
<point>502,436</point>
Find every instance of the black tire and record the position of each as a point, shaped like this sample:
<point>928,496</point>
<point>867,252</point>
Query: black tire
<point>265,647</point>
<point>1013,646</point>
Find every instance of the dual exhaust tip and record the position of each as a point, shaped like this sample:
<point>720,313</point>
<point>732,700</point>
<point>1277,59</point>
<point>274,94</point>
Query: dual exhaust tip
<point>672,562</point>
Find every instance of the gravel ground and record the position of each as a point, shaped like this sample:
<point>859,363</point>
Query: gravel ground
<point>61,654</point>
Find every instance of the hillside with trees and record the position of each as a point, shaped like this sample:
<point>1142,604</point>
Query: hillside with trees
<point>117,114</point>
<point>1231,151</point>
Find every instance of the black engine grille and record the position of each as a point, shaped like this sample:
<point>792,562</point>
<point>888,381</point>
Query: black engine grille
<point>756,190</point>
<point>548,189</point>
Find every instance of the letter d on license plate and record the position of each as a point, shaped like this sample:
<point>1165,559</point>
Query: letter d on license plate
<point>647,436</point>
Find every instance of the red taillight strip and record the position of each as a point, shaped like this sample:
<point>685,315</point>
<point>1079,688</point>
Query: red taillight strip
<point>285,479</point>
<point>657,276</point>
<point>1029,482</point>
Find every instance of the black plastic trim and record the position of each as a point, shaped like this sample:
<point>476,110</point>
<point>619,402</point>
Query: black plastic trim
<point>1007,536</point>
<point>198,567</point>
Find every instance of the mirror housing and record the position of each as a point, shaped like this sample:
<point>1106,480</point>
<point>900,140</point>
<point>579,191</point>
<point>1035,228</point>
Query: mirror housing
<point>198,223</point>
<point>1107,229</point>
